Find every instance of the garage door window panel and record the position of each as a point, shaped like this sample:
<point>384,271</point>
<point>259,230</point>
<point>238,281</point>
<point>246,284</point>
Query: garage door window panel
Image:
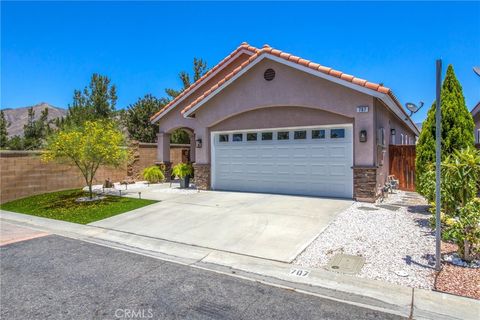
<point>283,135</point>
<point>318,134</point>
<point>223,138</point>
<point>237,137</point>
<point>266,136</point>
<point>300,135</point>
<point>337,133</point>
<point>252,136</point>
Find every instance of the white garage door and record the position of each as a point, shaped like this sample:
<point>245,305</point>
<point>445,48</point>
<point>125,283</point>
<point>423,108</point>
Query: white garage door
<point>305,161</point>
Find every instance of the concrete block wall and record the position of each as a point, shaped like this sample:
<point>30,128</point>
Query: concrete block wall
<point>22,173</point>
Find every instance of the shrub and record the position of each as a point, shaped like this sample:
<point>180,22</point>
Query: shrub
<point>153,174</point>
<point>457,128</point>
<point>182,170</point>
<point>460,211</point>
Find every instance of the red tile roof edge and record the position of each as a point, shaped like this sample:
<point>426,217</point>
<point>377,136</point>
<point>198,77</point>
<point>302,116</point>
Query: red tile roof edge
<point>306,63</point>
<point>243,46</point>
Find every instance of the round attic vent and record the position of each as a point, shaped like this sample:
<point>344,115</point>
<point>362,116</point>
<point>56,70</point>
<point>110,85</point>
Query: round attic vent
<point>269,74</point>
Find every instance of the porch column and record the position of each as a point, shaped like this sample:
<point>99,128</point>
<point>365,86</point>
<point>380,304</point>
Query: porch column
<point>193,146</point>
<point>163,154</point>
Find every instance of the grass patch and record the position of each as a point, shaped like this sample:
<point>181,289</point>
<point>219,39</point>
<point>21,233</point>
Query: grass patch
<point>61,205</point>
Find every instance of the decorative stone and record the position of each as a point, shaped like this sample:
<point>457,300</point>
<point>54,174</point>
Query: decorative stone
<point>202,173</point>
<point>365,184</point>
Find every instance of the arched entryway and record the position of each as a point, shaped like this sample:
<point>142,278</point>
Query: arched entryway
<point>174,146</point>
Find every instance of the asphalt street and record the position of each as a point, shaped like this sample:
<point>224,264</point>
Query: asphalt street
<point>53,277</point>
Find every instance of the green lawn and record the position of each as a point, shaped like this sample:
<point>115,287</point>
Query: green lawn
<point>62,206</point>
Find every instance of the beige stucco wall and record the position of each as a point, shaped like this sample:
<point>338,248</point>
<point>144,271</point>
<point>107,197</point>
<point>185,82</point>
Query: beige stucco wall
<point>290,88</point>
<point>385,119</point>
<point>293,98</point>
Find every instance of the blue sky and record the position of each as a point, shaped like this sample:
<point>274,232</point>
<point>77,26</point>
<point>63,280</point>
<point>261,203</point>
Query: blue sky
<point>49,49</point>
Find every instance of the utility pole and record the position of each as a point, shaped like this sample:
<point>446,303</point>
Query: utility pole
<point>438,154</point>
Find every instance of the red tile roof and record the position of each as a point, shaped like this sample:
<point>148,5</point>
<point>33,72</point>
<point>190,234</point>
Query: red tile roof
<point>243,46</point>
<point>306,63</point>
<point>266,49</point>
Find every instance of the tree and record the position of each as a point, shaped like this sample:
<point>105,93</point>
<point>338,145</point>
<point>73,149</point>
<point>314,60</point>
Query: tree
<point>457,128</point>
<point>199,69</point>
<point>16,143</point>
<point>137,118</point>
<point>3,130</point>
<point>95,102</point>
<point>180,136</point>
<point>89,146</point>
<point>36,131</point>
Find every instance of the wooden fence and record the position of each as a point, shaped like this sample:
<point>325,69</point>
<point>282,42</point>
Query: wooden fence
<point>402,165</point>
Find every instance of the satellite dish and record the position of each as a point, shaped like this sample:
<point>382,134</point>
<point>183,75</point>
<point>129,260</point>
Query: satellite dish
<point>413,108</point>
<point>476,70</point>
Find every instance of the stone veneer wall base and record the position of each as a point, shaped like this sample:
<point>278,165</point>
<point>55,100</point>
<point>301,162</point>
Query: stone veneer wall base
<point>365,184</point>
<point>202,174</point>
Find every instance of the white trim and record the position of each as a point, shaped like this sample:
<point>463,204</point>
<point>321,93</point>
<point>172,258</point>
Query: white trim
<point>384,97</point>
<point>242,51</point>
<point>339,125</point>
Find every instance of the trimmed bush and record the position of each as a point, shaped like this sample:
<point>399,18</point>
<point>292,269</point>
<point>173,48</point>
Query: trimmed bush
<point>153,174</point>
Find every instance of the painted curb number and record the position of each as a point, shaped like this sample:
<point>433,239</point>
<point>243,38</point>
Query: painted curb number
<point>299,272</point>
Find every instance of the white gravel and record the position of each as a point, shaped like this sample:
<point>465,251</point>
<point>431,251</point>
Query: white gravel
<point>398,246</point>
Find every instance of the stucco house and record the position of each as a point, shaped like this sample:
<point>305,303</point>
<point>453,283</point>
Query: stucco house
<point>263,120</point>
<point>476,119</point>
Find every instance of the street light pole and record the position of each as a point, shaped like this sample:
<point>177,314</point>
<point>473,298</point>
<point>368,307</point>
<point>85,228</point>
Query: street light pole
<point>438,139</point>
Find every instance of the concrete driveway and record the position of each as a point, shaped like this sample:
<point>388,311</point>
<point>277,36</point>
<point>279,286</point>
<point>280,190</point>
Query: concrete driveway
<point>276,227</point>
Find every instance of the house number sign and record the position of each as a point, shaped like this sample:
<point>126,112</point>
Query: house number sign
<point>362,109</point>
<point>299,272</point>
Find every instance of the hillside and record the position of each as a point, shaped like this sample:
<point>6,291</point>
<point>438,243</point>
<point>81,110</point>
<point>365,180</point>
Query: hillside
<point>18,117</point>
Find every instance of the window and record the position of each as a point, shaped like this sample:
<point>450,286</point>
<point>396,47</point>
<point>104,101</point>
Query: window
<point>283,135</point>
<point>478,136</point>
<point>251,137</point>
<point>223,138</point>
<point>318,134</point>
<point>267,136</point>
<point>237,137</point>
<point>300,135</point>
<point>337,133</point>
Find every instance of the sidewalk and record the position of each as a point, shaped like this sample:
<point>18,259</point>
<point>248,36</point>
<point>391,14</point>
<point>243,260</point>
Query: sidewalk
<point>404,301</point>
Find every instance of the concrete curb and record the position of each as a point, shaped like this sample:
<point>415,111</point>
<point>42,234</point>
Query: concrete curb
<point>403,301</point>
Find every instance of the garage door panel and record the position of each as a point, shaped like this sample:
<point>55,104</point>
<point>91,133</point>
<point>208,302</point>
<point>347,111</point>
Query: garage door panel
<point>319,167</point>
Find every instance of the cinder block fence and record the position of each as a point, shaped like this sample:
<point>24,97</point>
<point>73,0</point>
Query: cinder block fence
<point>22,173</point>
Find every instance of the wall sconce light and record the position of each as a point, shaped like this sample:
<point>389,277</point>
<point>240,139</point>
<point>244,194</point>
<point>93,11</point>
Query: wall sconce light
<point>393,132</point>
<point>199,143</point>
<point>363,136</point>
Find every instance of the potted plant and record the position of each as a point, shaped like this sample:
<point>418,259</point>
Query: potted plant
<point>183,171</point>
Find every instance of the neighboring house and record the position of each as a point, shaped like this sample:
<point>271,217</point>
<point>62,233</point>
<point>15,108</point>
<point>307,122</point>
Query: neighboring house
<point>476,119</point>
<point>266,121</point>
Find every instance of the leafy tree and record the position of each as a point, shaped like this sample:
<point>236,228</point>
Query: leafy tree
<point>89,146</point>
<point>16,143</point>
<point>137,118</point>
<point>199,69</point>
<point>457,127</point>
<point>36,131</point>
<point>3,130</point>
<point>180,136</point>
<point>95,102</point>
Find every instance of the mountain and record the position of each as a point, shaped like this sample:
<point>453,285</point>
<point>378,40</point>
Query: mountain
<point>17,118</point>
